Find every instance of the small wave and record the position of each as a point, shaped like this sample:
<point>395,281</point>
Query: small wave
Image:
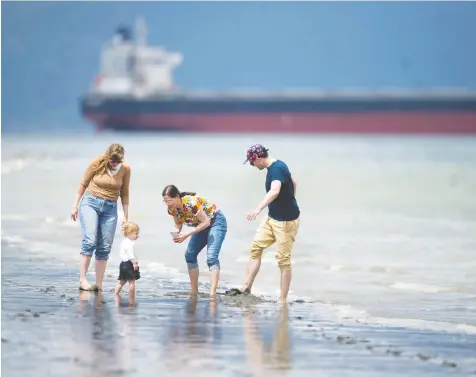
<point>13,240</point>
<point>419,287</point>
<point>346,312</point>
<point>17,164</point>
<point>336,267</point>
<point>386,269</point>
<point>374,269</point>
<point>13,217</point>
<point>62,221</point>
<point>160,269</point>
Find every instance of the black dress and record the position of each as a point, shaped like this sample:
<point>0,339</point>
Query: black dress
<point>126,272</point>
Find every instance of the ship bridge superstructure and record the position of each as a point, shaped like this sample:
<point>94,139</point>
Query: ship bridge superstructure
<point>130,67</point>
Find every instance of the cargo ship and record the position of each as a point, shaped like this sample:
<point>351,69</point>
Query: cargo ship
<point>134,91</point>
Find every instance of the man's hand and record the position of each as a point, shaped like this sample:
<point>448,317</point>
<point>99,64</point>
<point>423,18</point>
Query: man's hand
<point>253,214</point>
<point>268,198</point>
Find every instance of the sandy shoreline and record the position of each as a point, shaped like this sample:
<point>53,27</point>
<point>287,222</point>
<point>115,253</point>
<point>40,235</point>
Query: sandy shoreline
<point>51,329</point>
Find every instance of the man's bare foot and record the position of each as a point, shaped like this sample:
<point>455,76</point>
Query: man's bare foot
<point>246,289</point>
<point>281,301</point>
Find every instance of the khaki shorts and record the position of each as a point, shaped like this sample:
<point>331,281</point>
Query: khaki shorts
<point>271,231</point>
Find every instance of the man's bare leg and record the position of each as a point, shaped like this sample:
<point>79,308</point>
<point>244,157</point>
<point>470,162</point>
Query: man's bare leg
<point>252,270</point>
<point>264,238</point>
<point>286,275</point>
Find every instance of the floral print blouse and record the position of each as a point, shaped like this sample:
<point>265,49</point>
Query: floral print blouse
<point>191,205</point>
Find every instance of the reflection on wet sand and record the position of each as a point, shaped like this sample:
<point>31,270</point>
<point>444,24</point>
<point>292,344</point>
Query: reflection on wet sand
<point>96,335</point>
<point>262,355</point>
<point>192,334</point>
<point>201,337</point>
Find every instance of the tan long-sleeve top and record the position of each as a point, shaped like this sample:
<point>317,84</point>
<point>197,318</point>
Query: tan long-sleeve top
<point>108,187</point>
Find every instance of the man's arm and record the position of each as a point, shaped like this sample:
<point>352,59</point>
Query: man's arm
<point>271,195</point>
<point>294,185</point>
<point>277,178</point>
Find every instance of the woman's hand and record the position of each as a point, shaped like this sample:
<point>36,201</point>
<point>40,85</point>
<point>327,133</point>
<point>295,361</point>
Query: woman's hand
<point>125,215</point>
<point>179,238</point>
<point>124,222</point>
<point>74,213</point>
<point>178,226</point>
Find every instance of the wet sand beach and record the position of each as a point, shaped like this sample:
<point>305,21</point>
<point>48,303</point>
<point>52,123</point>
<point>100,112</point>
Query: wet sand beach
<point>383,266</point>
<point>49,328</point>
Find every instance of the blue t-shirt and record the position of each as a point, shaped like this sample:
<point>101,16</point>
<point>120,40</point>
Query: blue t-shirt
<point>284,207</point>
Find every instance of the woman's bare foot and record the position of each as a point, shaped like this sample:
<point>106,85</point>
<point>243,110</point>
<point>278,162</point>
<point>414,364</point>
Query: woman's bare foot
<point>95,288</point>
<point>84,286</point>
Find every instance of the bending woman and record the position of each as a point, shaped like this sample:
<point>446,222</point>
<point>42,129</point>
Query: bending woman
<point>210,230</point>
<point>104,180</point>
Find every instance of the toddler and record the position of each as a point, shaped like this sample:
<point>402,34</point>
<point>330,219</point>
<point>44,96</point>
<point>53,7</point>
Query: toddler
<point>129,268</point>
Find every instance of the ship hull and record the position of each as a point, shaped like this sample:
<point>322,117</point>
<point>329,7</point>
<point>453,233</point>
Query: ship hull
<point>448,116</point>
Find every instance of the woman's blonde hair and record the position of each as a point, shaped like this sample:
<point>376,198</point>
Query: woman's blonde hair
<point>131,227</point>
<point>115,152</point>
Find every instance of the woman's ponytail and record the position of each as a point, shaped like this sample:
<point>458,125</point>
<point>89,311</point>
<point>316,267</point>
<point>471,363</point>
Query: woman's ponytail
<point>173,192</point>
<point>182,194</point>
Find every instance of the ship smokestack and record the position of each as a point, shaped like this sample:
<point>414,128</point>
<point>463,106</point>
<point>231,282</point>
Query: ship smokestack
<point>123,34</point>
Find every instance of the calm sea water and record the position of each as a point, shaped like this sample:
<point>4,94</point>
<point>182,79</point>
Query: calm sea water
<point>388,227</point>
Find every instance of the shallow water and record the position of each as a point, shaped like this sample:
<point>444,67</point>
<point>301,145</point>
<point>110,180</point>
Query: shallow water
<point>387,236</point>
<point>51,329</point>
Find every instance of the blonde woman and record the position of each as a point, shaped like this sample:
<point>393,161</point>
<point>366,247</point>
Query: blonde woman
<point>105,180</point>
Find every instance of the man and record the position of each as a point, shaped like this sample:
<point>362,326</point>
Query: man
<point>282,223</point>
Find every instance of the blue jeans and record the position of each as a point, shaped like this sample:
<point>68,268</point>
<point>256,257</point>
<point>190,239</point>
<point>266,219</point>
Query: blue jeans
<point>98,219</point>
<point>213,238</point>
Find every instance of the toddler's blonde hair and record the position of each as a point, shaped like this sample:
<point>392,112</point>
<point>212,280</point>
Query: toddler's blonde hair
<point>131,227</point>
